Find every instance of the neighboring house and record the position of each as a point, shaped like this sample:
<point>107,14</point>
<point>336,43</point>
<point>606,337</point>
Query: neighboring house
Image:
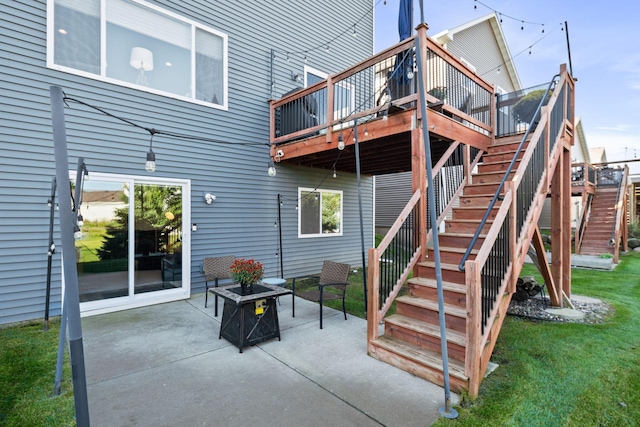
<point>201,69</point>
<point>481,45</point>
<point>598,155</point>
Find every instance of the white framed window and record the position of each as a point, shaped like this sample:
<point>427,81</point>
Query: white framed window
<point>136,44</point>
<point>319,212</point>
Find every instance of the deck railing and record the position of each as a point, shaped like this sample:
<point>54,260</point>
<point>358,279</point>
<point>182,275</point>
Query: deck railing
<point>514,111</point>
<point>397,253</point>
<point>619,232</point>
<point>367,90</point>
<point>391,263</point>
<point>487,276</point>
<point>582,222</point>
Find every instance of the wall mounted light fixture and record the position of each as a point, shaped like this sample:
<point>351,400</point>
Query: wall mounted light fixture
<point>297,77</point>
<point>209,198</point>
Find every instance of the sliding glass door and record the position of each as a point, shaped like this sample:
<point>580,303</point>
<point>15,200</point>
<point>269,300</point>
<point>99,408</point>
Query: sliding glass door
<point>134,242</point>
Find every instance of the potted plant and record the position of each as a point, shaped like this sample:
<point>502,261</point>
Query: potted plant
<point>246,272</point>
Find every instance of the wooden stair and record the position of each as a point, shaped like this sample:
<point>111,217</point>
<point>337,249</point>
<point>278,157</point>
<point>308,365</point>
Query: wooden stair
<point>411,339</point>
<point>597,234</point>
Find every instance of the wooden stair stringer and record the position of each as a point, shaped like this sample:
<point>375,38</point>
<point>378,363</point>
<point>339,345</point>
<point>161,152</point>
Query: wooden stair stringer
<point>418,361</point>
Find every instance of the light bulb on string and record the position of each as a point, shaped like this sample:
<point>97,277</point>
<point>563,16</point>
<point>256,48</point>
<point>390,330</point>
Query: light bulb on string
<point>522,26</point>
<point>542,28</point>
<point>271,170</point>
<point>498,70</point>
<point>355,34</point>
<point>150,165</point>
<point>366,130</point>
<point>334,172</point>
<point>340,142</point>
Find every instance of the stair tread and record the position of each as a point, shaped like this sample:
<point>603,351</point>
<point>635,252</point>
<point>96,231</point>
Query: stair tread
<point>458,234</point>
<point>420,355</point>
<point>432,305</point>
<point>459,250</point>
<point>443,265</point>
<point>431,283</point>
<point>426,328</point>
<point>469,220</point>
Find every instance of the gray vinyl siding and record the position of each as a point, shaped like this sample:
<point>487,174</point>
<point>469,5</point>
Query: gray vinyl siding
<point>478,45</point>
<point>393,191</point>
<point>241,220</point>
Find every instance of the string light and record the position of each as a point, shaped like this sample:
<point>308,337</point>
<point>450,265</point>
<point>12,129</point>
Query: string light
<point>340,142</point>
<point>150,165</point>
<point>528,49</point>
<point>326,45</point>
<point>500,14</point>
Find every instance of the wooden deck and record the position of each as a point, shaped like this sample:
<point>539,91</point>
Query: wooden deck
<point>460,121</point>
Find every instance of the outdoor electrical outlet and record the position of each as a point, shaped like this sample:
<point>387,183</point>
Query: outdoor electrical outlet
<point>194,227</point>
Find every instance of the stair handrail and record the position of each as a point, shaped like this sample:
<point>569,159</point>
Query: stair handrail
<point>496,196</point>
<point>373,297</point>
<point>582,223</point>
<point>620,196</point>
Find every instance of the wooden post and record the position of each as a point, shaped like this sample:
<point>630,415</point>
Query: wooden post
<point>513,238</point>
<point>556,300</point>
<point>566,220</point>
<point>419,182</point>
<point>422,34</point>
<point>557,223</point>
<point>466,155</point>
<point>474,335</point>
<point>329,123</point>
<point>373,296</point>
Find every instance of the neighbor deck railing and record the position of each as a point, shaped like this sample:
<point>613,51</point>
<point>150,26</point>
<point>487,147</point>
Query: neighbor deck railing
<point>619,232</point>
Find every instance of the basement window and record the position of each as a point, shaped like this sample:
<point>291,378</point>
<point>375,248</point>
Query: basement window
<point>319,213</point>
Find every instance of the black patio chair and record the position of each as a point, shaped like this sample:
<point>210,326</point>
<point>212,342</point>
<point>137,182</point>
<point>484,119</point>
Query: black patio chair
<point>214,269</point>
<point>334,275</point>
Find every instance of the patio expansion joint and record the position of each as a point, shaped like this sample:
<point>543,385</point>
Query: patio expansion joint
<point>302,374</point>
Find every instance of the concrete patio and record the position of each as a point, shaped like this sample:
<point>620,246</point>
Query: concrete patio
<point>164,365</point>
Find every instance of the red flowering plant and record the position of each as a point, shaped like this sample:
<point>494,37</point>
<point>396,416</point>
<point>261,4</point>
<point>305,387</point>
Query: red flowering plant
<point>246,271</point>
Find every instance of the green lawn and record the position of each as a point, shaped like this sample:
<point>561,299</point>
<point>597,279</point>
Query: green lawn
<point>562,374</point>
<point>27,375</point>
<point>92,240</point>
